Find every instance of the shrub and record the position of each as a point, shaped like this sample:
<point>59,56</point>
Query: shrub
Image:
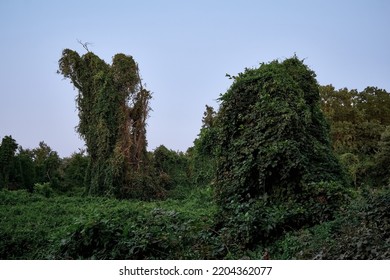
<point>43,189</point>
<point>171,167</point>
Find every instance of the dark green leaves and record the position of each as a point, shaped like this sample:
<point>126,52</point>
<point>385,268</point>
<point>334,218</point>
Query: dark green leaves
<point>113,108</point>
<point>7,154</point>
<point>273,141</point>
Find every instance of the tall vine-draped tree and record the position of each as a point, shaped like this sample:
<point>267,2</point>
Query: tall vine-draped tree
<point>113,107</point>
<point>275,168</point>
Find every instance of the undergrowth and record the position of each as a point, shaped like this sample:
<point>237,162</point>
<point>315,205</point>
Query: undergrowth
<point>360,231</point>
<point>33,226</point>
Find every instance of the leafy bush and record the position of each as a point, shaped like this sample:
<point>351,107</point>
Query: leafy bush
<point>74,169</point>
<point>158,234</point>
<point>43,189</point>
<point>171,167</point>
<point>323,200</point>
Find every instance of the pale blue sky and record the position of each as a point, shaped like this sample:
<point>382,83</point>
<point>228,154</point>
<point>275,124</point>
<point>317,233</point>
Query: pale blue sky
<point>184,49</point>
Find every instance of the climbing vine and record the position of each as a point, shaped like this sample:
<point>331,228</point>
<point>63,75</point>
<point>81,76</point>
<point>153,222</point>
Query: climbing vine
<point>275,166</point>
<point>113,107</point>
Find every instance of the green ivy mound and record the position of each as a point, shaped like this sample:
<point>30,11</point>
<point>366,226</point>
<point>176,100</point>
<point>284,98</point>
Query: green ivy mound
<point>276,169</point>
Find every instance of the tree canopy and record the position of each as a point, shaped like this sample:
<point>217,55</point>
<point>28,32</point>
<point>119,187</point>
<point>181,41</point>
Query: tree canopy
<point>358,121</point>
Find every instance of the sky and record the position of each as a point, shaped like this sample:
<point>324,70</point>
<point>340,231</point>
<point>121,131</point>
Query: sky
<point>184,50</point>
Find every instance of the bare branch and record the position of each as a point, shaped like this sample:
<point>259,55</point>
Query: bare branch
<point>85,45</point>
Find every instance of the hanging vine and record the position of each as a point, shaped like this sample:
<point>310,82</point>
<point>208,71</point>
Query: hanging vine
<point>113,107</point>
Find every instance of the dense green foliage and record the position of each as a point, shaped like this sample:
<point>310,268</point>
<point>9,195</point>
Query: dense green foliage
<point>74,169</point>
<point>36,227</point>
<point>171,168</point>
<point>24,170</point>
<point>7,151</point>
<point>41,167</point>
<point>382,159</point>
<point>359,232</point>
<point>113,107</point>
<point>275,154</point>
<point>27,167</point>
<point>358,120</point>
<point>261,181</point>
<point>47,164</point>
<point>202,155</point>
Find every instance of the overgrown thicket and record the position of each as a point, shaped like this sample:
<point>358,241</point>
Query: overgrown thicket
<point>276,169</point>
<point>36,227</point>
<point>113,107</point>
<point>171,168</point>
<point>285,166</point>
<point>359,232</point>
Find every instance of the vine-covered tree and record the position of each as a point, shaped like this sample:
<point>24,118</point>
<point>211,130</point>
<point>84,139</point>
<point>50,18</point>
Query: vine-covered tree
<point>24,169</point>
<point>171,167</point>
<point>276,170</point>
<point>73,170</point>
<point>202,154</point>
<point>47,163</point>
<point>113,107</point>
<point>7,154</point>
